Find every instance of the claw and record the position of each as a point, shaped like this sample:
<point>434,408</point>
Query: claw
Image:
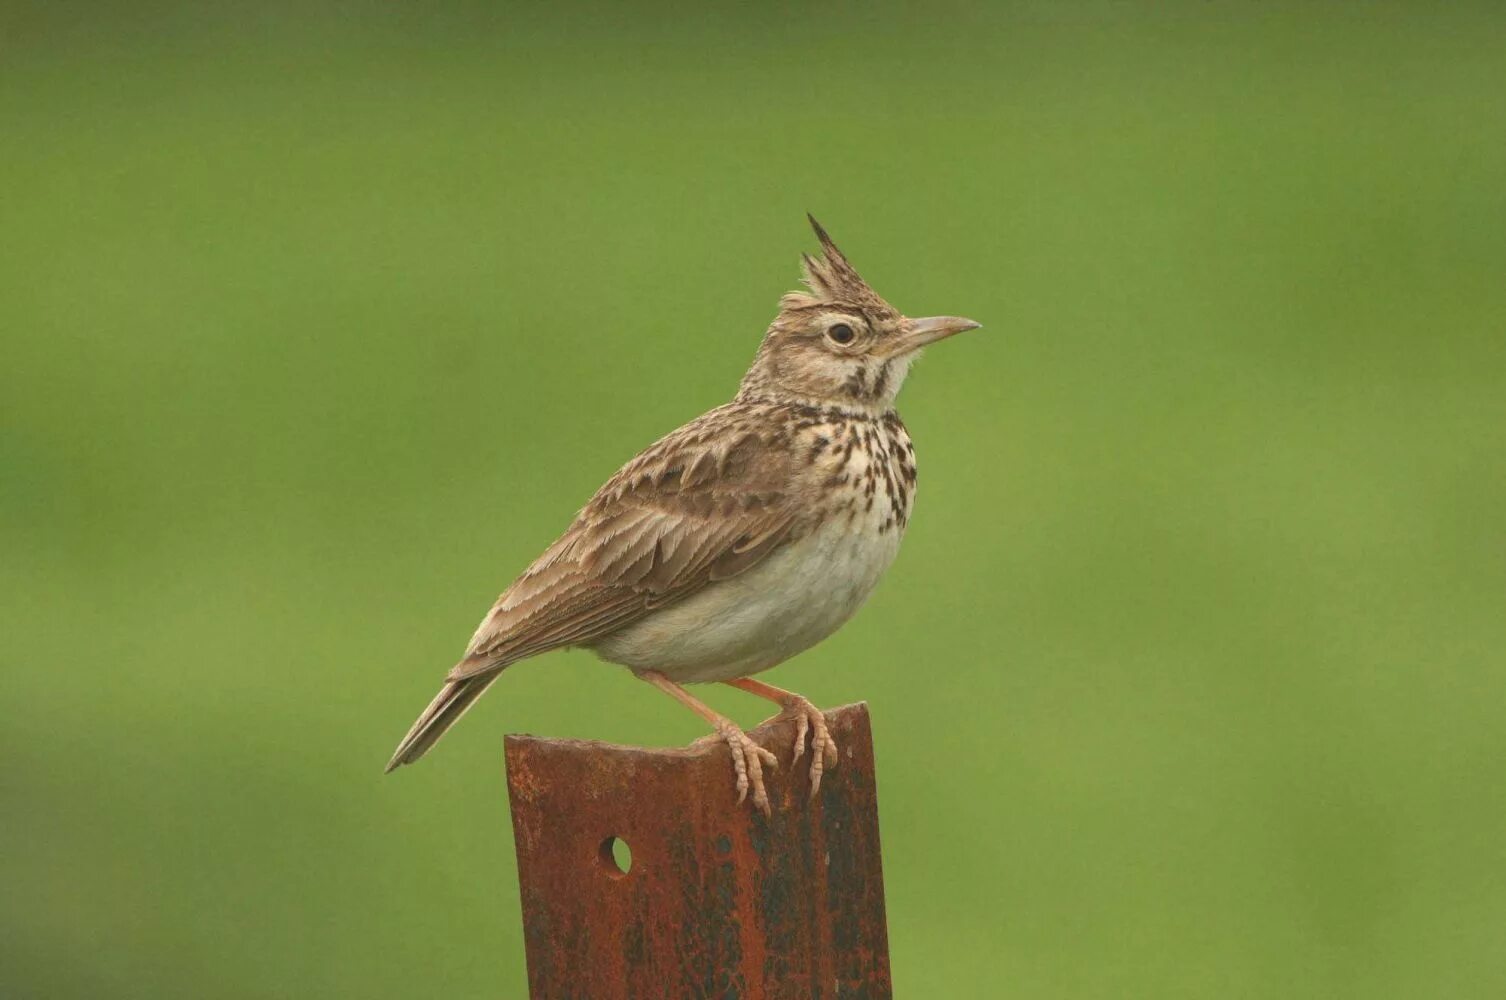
<point>748,761</point>
<point>802,725</point>
<point>810,722</point>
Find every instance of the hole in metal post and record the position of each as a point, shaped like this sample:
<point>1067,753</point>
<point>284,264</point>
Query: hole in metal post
<point>616,856</point>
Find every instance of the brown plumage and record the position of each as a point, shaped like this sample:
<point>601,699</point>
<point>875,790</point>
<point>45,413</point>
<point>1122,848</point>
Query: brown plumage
<point>657,570</point>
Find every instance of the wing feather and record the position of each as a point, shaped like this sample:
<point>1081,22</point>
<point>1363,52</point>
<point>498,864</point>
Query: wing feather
<point>706,503</point>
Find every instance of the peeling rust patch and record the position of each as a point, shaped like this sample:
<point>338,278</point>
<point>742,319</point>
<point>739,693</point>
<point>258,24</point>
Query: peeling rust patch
<point>719,903</point>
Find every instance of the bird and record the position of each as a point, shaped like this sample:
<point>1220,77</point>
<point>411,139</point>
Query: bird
<point>740,539</point>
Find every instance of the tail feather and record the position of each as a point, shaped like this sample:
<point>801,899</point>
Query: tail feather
<point>443,712</point>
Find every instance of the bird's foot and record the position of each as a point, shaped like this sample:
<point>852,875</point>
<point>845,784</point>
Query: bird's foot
<point>748,760</point>
<point>808,719</point>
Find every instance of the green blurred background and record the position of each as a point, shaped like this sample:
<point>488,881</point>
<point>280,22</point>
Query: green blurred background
<point>318,323</point>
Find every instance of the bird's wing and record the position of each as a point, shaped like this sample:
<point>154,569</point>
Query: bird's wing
<point>703,504</point>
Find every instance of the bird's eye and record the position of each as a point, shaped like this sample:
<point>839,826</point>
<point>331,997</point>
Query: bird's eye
<point>841,333</point>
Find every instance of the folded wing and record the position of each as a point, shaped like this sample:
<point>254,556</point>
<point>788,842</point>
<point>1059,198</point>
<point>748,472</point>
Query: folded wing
<point>705,503</point>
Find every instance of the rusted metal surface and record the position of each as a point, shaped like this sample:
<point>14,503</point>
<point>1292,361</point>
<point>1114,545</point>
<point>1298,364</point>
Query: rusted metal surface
<point>719,901</point>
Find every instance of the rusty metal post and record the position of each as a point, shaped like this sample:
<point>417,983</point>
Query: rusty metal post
<point>718,901</point>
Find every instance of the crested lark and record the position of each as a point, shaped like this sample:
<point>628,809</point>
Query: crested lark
<point>748,535</point>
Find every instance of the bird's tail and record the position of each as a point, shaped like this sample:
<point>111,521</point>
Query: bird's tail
<point>443,712</point>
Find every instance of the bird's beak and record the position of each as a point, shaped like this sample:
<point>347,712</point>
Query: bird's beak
<point>917,333</point>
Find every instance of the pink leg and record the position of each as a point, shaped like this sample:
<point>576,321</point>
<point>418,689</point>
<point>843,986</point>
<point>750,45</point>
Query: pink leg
<point>748,758</point>
<point>808,718</point>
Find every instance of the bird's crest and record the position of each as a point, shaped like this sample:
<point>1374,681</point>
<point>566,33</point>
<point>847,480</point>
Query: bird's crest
<point>832,278</point>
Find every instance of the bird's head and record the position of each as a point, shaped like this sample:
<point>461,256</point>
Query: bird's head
<point>840,344</point>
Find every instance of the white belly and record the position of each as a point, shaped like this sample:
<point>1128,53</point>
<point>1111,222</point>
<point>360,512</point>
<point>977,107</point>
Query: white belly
<point>787,603</point>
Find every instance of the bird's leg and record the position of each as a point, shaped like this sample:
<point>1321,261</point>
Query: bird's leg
<point>748,758</point>
<point>808,718</point>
